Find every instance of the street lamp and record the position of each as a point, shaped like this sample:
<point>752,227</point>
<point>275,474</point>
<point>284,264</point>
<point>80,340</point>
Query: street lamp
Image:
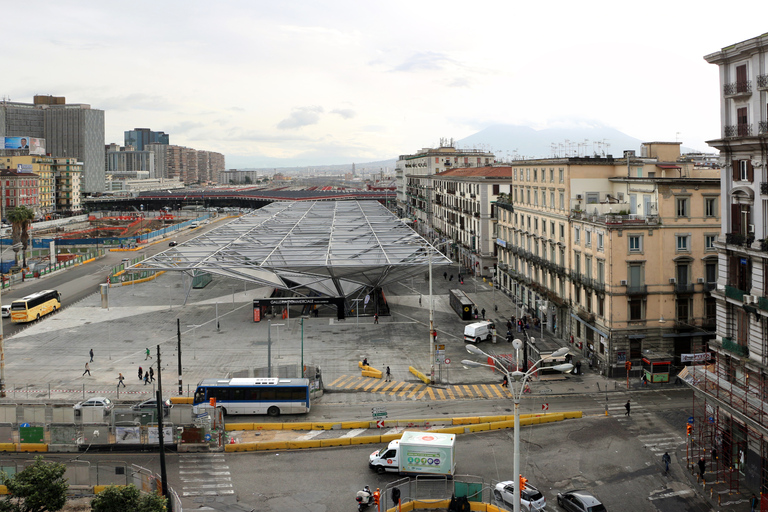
<point>521,378</point>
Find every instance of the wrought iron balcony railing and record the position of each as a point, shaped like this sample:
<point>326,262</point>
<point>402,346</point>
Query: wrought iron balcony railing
<point>637,289</point>
<point>738,130</point>
<point>743,87</point>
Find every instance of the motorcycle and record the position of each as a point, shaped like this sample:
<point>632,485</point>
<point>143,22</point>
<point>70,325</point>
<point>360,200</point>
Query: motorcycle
<point>364,499</point>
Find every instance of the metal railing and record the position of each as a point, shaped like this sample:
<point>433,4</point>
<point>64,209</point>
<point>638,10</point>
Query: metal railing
<point>741,87</point>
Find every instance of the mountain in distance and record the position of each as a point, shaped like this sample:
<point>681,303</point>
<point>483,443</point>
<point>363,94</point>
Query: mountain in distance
<point>510,142</point>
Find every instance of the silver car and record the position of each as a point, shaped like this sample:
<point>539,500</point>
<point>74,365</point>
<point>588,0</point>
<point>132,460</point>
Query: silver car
<point>97,401</point>
<point>579,501</point>
<point>530,498</point>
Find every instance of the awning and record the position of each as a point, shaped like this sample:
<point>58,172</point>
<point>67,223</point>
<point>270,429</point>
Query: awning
<point>589,326</point>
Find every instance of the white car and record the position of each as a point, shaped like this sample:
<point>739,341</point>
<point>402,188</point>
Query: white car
<point>530,498</point>
<point>6,308</point>
<point>97,401</point>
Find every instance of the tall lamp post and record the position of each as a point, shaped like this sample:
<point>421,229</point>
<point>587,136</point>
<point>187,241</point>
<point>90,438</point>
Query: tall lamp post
<point>520,378</point>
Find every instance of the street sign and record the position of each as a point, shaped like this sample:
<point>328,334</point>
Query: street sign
<point>380,414</point>
<point>379,423</point>
<point>447,361</point>
<point>544,407</point>
<point>690,420</point>
<point>379,409</point>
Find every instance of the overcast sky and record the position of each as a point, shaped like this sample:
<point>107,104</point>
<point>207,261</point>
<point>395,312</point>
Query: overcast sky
<point>277,83</point>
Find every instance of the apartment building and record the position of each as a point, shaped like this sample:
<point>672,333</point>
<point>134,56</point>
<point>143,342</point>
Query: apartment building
<point>140,137</point>
<point>416,203</point>
<point>615,255</point>
<point>731,395</point>
<point>19,189</point>
<point>40,166</point>
<point>68,173</point>
<point>125,159</point>
<point>463,212</point>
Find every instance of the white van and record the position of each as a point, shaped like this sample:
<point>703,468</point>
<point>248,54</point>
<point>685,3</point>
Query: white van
<point>478,331</point>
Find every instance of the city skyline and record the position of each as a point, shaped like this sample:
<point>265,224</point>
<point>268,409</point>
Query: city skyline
<point>303,84</point>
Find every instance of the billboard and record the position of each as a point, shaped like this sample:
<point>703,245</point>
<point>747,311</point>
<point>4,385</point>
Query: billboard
<point>24,168</point>
<point>35,145</point>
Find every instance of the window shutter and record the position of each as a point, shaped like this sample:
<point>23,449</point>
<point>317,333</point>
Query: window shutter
<point>735,218</point>
<point>750,171</point>
<point>735,169</point>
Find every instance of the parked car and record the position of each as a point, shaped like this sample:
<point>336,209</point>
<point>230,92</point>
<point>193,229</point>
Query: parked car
<point>152,404</point>
<point>579,501</point>
<point>530,497</point>
<point>97,401</point>
<point>6,310</point>
<point>173,243</point>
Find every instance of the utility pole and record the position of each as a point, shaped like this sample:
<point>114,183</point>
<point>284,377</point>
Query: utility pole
<point>160,412</point>
<point>178,350</point>
<point>2,351</point>
<point>269,348</point>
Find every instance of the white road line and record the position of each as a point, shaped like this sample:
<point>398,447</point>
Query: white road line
<point>207,479</point>
<point>194,466</point>
<point>209,486</point>
<point>309,435</point>
<point>670,494</point>
<point>354,432</point>
<point>204,472</point>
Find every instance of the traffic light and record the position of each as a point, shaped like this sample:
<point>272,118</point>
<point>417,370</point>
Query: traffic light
<point>628,365</point>
<point>376,496</point>
<point>689,429</point>
<point>523,481</point>
<point>212,401</point>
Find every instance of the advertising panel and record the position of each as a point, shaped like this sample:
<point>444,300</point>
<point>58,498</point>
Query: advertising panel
<point>154,438</point>
<point>36,146</point>
<point>16,143</point>
<point>24,168</point>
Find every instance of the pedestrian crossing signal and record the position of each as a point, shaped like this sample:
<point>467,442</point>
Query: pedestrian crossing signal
<point>689,429</point>
<point>523,481</point>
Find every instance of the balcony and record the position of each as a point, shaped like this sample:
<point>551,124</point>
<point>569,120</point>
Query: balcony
<point>735,348</point>
<point>637,289</point>
<point>683,288</point>
<point>739,239</point>
<point>598,286</point>
<point>743,88</point>
<point>764,187</point>
<point>762,127</point>
<point>762,303</point>
<point>738,130</point>
<point>735,293</point>
<point>762,81</point>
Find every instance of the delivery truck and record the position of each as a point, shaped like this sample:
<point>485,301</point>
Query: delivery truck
<point>479,331</point>
<point>417,453</point>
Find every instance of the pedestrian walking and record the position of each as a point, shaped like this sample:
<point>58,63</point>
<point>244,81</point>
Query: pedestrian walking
<point>389,375</point>
<point>375,318</point>
<point>666,459</point>
<point>445,275</point>
<point>451,278</point>
<point>146,378</point>
<point>147,356</point>
<point>120,380</point>
<point>475,312</point>
<point>87,370</point>
<point>496,308</point>
<point>483,313</point>
<point>509,326</point>
<point>505,382</point>
<point>754,503</point>
<point>702,466</point>
<point>627,407</point>
<point>141,373</point>
<point>151,374</point>
<point>714,455</point>
<point>645,380</point>
<point>91,356</point>
<point>419,300</point>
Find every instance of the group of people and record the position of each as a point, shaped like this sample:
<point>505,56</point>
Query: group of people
<point>445,276</point>
<point>387,375</point>
<point>147,376</point>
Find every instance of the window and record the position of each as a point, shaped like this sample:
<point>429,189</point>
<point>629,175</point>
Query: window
<point>682,207</point>
<point>709,242</point>
<point>600,242</point>
<point>593,197</point>
<point>536,224</point>
<point>552,199</point>
<point>601,306</point>
<point>682,243</point>
<point>552,228</point>
<point>529,196</point>
<point>588,266</point>
<point>635,243</point>
<point>551,175</point>
<point>588,238</point>
<point>636,309</point>
<point>527,175</point>
<point>710,207</point>
<point>544,198</point>
<point>711,271</point>
<point>601,271</point>
<point>576,235</point>
<point>562,200</point>
<point>535,174</point>
<point>562,179</point>
<point>577,262</point>
<point>744,170</point>
<point>562,232</point>
<point>683,310</point>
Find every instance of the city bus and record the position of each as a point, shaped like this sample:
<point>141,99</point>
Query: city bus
<point>272,396</point>
<point>34,306</point>
<point>461,304</point>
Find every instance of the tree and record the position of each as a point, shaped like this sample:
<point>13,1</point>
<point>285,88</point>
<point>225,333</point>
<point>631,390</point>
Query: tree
<point>127,499</point>
<point>41,487</point>
<point>20,219</point>
<point>247,180</point>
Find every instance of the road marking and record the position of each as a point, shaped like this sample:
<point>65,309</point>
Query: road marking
<point>204,472</point>
<point>354,432</point>
<point>310,435</point>
<point>670,494</point>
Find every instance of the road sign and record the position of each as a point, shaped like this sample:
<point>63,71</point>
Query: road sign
<point>380,414</point>
<point>379,409</point>
<point>544,407</point>
<point>690,420</point>
<point>379,423</point>
<point>447,361</point>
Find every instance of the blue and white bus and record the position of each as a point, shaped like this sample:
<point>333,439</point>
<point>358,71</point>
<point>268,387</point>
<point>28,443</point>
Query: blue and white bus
<point>271,396</point>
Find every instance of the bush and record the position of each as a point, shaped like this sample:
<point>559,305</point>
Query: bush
<point>127,499</point>
<point>40,487</point>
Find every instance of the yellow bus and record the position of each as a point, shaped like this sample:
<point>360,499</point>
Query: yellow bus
<point>32,307</point>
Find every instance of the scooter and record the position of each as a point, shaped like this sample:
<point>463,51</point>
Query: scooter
<point>364,499</point>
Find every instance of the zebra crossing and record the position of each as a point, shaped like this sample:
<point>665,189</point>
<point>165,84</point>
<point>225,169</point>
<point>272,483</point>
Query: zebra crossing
<point>638,418</point>
<point>204,474</point>
<point>400,390</point>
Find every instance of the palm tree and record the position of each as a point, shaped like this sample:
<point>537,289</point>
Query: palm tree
<point>20,219</point>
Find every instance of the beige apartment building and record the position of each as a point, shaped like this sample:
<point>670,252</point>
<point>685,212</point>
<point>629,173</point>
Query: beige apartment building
<point>68,173</point>
<point>615,255</point>
<point>42,167</point>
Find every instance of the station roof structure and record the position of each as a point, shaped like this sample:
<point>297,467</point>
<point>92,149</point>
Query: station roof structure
<point>330,248</point>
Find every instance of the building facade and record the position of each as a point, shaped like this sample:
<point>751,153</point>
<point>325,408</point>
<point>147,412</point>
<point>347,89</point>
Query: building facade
<point>19,189</point>
<point>140,137</point>
<point>126,159</point>
<point>578,242</point>
<point>428,162</point>
<point>67,172</point>
<point>731,395</point>
<point>70,131</point>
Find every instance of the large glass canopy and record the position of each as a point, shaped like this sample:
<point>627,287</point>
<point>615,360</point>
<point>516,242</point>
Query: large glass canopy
<point>330,248</point>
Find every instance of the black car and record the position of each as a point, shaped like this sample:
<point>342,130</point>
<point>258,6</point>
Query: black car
<point>579,501</point>
<point>173,243</point>
<point>151,404</point>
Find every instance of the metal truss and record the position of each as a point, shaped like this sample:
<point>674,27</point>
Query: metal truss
<point>311,248</point>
